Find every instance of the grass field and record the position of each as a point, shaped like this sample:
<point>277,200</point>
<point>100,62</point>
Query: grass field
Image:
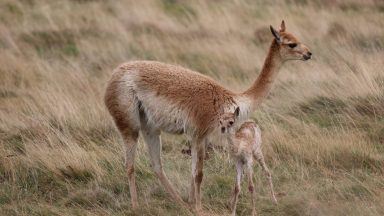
<point>323,123</point>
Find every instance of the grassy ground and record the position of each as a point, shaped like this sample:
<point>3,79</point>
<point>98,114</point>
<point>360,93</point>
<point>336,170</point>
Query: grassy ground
<point>323,124</point>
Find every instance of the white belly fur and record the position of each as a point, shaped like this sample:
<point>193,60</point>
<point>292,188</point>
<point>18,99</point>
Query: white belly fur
<point>162,114</point>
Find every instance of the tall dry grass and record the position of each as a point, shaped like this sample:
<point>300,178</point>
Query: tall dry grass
<point>323,124</point>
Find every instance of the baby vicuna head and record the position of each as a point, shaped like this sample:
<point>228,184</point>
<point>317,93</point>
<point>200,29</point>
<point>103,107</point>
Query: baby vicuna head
<point>227,121</point>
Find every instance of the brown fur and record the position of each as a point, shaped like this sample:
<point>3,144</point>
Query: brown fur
<point>151,97</point>
<point>275,58</point>
<point>201,96</point>
<point>263,83</point>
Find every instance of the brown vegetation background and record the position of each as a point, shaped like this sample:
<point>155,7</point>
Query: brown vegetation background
<point>323,123</point>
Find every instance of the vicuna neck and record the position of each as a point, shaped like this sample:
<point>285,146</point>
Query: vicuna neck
<point>263,84</point>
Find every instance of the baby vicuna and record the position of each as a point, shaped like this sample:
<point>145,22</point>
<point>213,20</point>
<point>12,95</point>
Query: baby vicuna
<point>244,146</point>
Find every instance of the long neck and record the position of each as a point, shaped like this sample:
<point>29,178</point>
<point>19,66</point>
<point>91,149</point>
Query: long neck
<point>263,84</point>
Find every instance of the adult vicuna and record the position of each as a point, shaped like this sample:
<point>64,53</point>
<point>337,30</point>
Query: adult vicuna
<point>152,97</point>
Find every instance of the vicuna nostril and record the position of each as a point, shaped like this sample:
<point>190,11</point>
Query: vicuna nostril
<point>222,129</point>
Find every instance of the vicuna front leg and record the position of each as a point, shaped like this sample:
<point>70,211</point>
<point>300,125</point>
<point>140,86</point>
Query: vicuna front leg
<point>236,190</point>
<point>198,153</point>
<point>260,158</point>
<point>152,138</point>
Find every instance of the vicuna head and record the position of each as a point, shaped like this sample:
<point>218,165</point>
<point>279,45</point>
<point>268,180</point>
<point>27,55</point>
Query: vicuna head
<point>227,121</point>
<point>290,47</point>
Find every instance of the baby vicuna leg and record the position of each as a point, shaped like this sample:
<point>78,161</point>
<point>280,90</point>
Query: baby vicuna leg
<point>251,186</point>
<point>260,158</point>
<point>236,190</point>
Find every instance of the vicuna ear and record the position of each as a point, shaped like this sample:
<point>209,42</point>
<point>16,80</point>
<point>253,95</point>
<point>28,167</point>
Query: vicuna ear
<point>282,26</point>
<point>237,111</point>
<point>275,34</point>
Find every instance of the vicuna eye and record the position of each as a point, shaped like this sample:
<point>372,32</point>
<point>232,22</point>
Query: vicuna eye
<point>231,123</point>
<point>292,45</point>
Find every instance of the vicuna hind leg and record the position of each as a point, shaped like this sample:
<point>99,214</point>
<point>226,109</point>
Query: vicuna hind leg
<point>236,190</point>
<point>152,139</point>
<point>130,141</point>
<point>260,158</point>
<point>130,137</point>
<point>122,104</point>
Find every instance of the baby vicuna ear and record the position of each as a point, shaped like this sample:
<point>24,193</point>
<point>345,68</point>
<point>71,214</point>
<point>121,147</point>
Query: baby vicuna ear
<point>237,111</point>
